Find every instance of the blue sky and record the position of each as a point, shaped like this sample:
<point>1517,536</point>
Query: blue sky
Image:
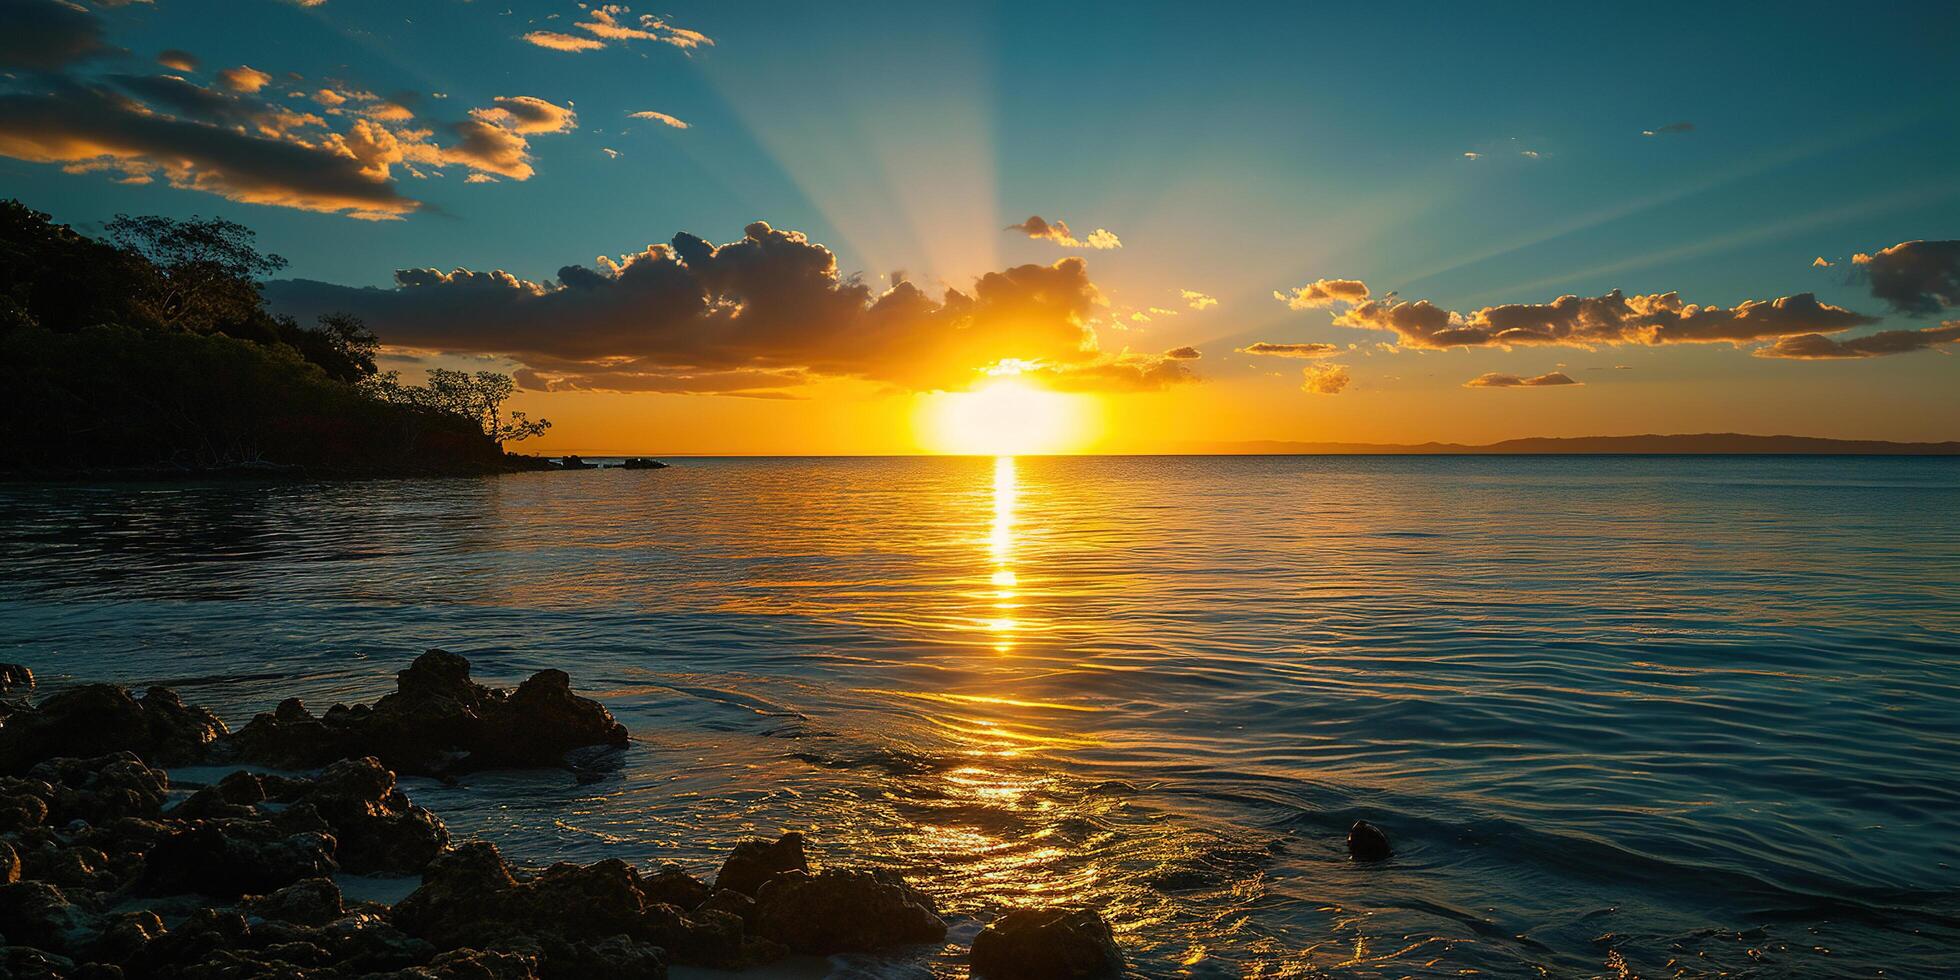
<point>1236,150</point>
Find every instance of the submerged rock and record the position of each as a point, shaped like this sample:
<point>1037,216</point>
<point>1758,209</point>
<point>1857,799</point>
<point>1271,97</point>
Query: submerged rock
<point>1046,944</point>
<point>836,911</point>
<point>438,721</point>
<point>15,679</point>
<point>1367,842</point>
<point>99,719</point>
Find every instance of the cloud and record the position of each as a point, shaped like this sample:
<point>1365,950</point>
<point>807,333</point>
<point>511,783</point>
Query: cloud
<point>1814,347</point>
<point>1915,277</point>
<point>526,114</point>
<point>91,128</point>
<point>1576,321</point>
<point>607,23</point>
<point>1291,350</point>
<point>46,35</point>
<point>659,117</point>
<point>1821,262</point>
<point>1471,155</point>
<point>1324,379</point>
<point>767,312</point>
<point>1197,300</point>
<point>1324,293</point>
<point>1183,354</point>
<point>1555,379</point>
<point>1036,226</point>
<point>1670,129</point>
<point>563,42</point>
<point>609,152</point>
<point>177,60</point>
<point>1533,154</point>
<point>243,78</point>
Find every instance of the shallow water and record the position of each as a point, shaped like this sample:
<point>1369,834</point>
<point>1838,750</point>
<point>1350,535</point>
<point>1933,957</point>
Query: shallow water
<point>1620,715</point>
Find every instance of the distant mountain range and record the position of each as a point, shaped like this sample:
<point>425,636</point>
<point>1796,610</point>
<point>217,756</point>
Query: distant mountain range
<point>1708,443</point>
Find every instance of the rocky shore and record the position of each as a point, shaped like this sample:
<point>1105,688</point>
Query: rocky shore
<point>106,873</point>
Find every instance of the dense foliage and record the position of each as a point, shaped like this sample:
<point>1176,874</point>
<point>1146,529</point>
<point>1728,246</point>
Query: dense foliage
<point>153,348</point>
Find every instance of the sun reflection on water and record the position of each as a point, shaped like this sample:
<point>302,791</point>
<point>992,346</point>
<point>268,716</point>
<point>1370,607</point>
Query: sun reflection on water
<point>1001,546</point>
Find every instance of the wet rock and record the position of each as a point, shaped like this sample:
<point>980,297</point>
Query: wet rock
<point>438,721</point>
<point>231,858</point>
<point>476,964</point>
<point>1046,944</point>
<point>15,679</point>
<point>463,894</point>
<point>23,803</point>
<point>730,901</point>
<point>313,902</point>
<point>1367,842</point>
<point>672,886</point>
<point>28,963</point>
<point>9,864</point>
<point>99,719</point>
<point>836,911</point>
<point>616,958</point>
<point>754,863</point>
<point>640,463</point>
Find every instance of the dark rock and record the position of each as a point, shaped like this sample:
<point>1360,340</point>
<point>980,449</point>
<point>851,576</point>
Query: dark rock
<point>99,719</point>
<point>837,911</point>
<point>1046,944</point>
<point>37,914</point>
<point>574,463</point>
<point>102,789</point>
<point>465,893</point>
<point>754,863</point>
<point>23,803</point>
<point>615,958</point>
<point>1367,842</point>
<point>477,964</point>
<point>730,901</point>
<point>15,678</point>
<point>672,886</point>
<point>438,721</point>
<point>313,902</point>
<point>232,858</point>
<point>9,865</point>
<point>640,463</point>
<point>375,828</point>
<point>28,963</point>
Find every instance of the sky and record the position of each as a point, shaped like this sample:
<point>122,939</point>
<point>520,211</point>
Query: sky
<point>758,227</point>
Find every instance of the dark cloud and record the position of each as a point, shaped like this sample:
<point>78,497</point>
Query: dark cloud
<point>1291,350</point>
<point>46,35</point>
<point>89,128</point>
<point>1614,318</point>
<point>1057,231</point>
<point>768,311</point>
<point>177,60</point>
<point>1183,354</point>
<point>1555,379</point>
<point>1812,346</point>
<point>1915,277</point>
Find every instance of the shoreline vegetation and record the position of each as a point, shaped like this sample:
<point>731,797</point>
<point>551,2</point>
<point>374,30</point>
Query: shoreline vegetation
<point>109,870</point>
<point>150,353</point>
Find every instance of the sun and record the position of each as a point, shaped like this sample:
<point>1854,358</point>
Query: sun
<point>1005,417</point>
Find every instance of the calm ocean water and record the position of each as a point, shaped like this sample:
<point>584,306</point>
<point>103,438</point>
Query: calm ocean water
<point>1620,715</point>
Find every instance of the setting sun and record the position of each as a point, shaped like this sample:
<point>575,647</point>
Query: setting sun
<point>1005,417</point>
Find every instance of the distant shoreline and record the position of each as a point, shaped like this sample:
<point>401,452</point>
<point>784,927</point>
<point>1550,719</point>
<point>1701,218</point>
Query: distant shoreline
<point>1702,444</point>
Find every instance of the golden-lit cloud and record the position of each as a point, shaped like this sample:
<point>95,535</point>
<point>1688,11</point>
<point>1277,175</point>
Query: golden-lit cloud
<point>1291,350</point>
<point>243,78</point>
<point>1821,262</point>
<point>526,114</point>
<point>1197,300</point>
<point>764,313</point>
<point>608,23</point>
<point>1494,379</point>
<point>91,129</point>
<point>659,117</point>
<point>1614,318</point>
<point>1323,293</point>
<point>1814,347</point>
<point>1325,379</point>
<point>563,42</point>
<point>1102,239</point>
<point>1916,277</point>
<point>177,60</point>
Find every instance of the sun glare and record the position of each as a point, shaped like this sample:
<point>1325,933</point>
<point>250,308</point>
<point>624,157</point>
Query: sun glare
<point>1006,417</point>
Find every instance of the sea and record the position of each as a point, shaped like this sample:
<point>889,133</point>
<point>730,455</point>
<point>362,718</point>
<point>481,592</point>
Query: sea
<point>1620,716</point>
